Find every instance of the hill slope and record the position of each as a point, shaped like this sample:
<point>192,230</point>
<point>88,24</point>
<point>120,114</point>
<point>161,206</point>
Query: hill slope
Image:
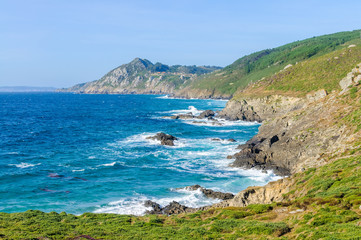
<point>142,76</point>
<point>265,63</point>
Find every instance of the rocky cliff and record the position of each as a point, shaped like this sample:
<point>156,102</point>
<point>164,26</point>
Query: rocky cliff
<point>141,76</point>
<point>297,134</point>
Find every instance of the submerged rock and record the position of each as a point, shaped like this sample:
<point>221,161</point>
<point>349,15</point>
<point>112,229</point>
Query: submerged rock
<point>220,139</point>
<point>165,139</point>
<point>183,116</point>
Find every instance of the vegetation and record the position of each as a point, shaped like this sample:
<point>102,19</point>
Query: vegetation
<point>266,63</point>
<point>323,204</point>
<point>323,72</point>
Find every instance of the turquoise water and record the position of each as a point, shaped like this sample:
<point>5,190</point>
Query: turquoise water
<point>89,153</point>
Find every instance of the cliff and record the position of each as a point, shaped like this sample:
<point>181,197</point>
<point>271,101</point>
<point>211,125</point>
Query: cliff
<point>298,135</point>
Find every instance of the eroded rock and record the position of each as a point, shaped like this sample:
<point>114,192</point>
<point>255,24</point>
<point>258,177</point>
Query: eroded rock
<point>165,139</point>
<point>210,193</point>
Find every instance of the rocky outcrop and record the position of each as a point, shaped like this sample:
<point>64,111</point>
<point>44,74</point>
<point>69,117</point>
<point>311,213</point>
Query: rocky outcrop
<point>206,114</point>
<point>165,139</point>
<point>352,78</point>
<point>172,208</point>
<point>210,193</point>
<point>272,192</point>
<point>296,140</point>
<point>260,109</point>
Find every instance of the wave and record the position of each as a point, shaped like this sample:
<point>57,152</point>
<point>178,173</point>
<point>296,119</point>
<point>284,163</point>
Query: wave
<point>24,165</point>
<point>164,97</point>
<point>128,206</point>
<point>140,140</point>
<point>191,109</point>
<point>229,130</point>
<point>135,205</point>
<point>218,122</point>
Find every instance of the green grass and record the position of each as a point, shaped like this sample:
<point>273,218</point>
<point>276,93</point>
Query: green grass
<point>37,224</point>
<point>266,63</point>
<point>323,72</point>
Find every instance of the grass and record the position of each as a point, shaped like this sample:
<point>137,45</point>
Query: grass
<point>266,63</point>
<point>202,225</point>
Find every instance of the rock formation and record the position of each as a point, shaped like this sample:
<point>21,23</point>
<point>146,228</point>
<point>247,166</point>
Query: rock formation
<point>165,139</point>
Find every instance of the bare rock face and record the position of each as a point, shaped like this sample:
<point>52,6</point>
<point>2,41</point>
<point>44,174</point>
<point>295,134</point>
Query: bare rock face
<point>272,192</point>
<point>165,139</point>
<point>210,193</point>
<point>352,78</point>
<point>260,109</point>
<point>316,95</point>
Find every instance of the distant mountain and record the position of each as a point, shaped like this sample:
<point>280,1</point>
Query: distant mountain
<point>142,76</point>
<point>27,89</point>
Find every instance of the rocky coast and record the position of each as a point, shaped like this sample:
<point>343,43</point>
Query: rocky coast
<point>297,133</point>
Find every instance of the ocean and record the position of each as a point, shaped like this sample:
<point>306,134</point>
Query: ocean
<point>90,153</point>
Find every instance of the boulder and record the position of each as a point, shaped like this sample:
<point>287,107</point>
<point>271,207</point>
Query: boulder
<point>210,193</point>
<point>165,139</point>
<point>156,208</point>
<point>174,208</point>
<point>207,114</point>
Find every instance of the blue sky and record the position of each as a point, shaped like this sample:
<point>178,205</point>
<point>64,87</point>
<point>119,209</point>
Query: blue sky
<point>63,42</point>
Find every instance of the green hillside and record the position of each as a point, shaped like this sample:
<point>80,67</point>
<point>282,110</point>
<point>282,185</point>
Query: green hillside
<point>266,63</point>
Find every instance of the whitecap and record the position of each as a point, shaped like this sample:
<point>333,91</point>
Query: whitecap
<point>24,165</point>
<point>191,109</point>
<point>163,97</point>
<point>79,170</point>
<point>135,205</point>
<point>218,122</point>
<point>128,206</point>
<point>107,164</point>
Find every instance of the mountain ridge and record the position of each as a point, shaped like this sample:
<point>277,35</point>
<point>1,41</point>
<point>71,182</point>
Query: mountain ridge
<point>142,76</point>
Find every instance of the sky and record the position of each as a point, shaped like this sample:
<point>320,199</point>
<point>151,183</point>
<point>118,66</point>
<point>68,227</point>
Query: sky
<point>59,43</point>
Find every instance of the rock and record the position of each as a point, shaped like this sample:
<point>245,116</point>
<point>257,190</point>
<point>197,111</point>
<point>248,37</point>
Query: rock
<point>260,109</point>
<point>288,66</point>
<point>219,139</point>
<point>316,95</point>
<point>174,208</point>
<point>346,82</point>
<point>351,46</point>
<point>165,139</point>
<point>210,193</point>
<point>156,208</point>
<point>352,78</point>
<point>216,139</point>
<point>207,114</point>
<point>272,192</point>
<point>183,116</point>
